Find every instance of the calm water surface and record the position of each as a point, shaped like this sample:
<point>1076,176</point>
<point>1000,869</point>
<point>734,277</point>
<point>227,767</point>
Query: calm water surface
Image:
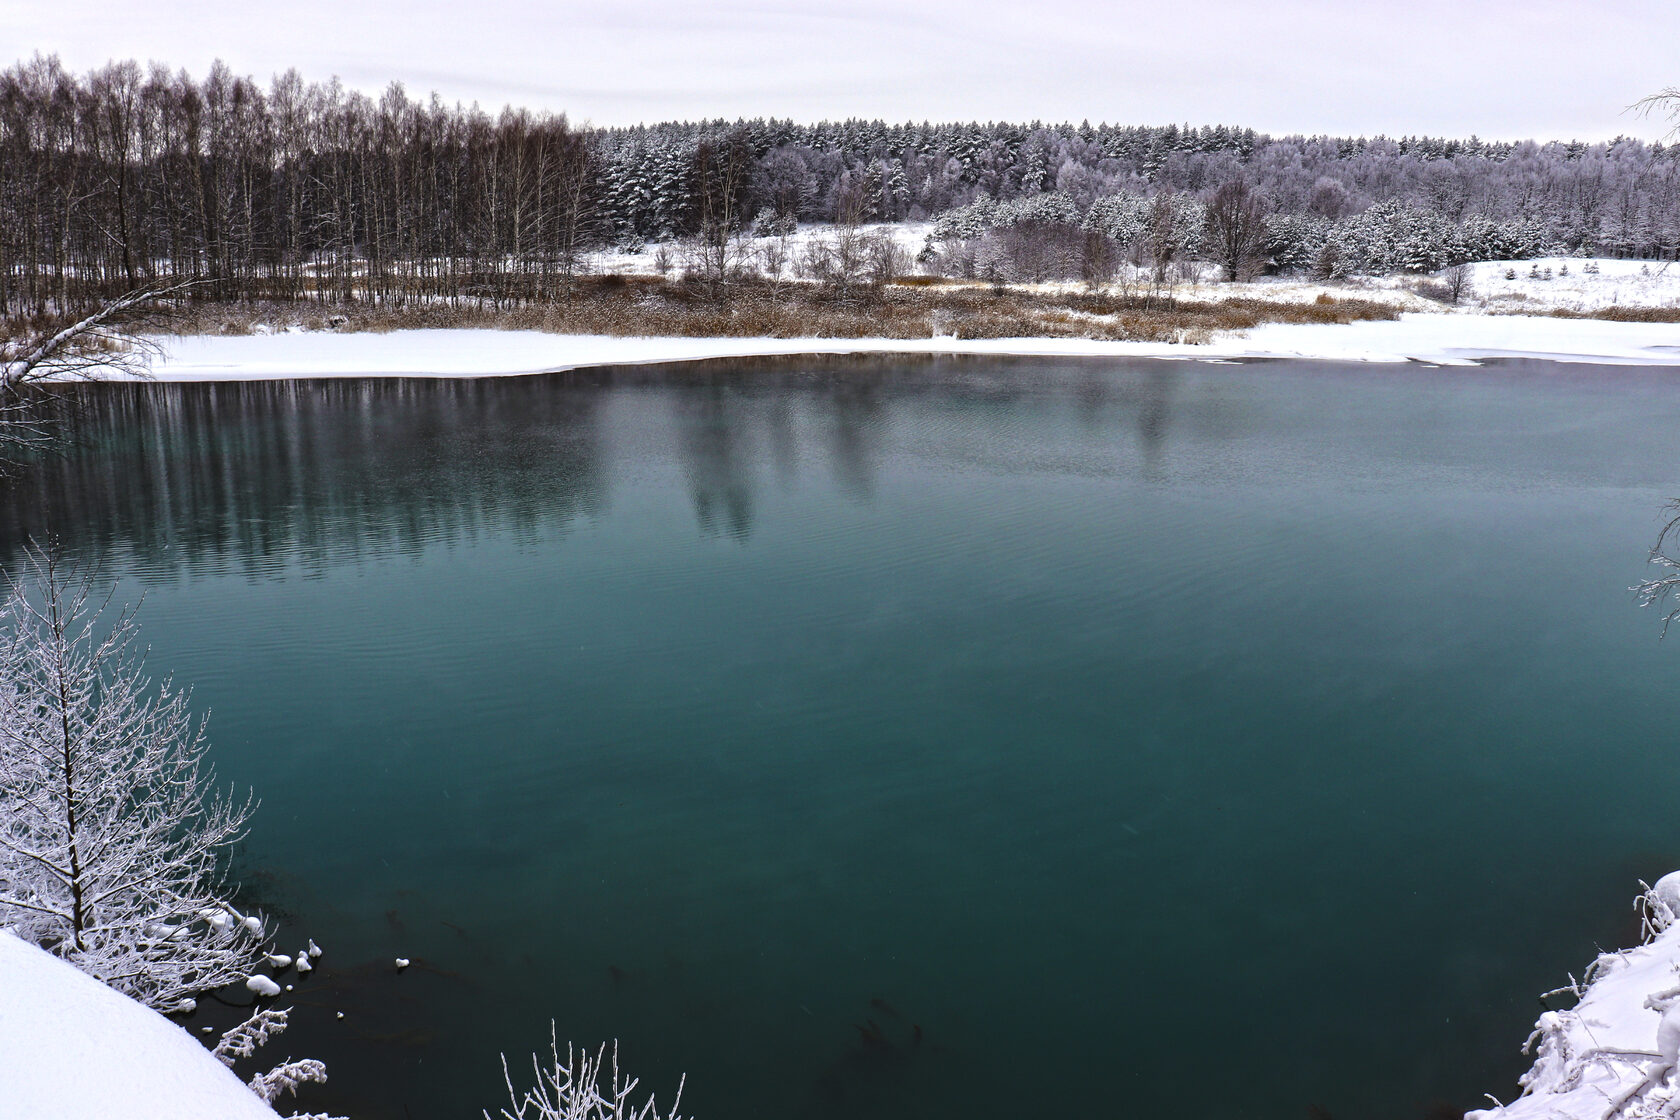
<point>948,739</point>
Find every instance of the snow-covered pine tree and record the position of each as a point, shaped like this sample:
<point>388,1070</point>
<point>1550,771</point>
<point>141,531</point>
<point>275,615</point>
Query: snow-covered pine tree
<point>112,837</point>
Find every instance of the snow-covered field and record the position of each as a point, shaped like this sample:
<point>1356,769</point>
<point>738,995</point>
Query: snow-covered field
<point>73,1049</point>
<point>1534,286</point>
<point>1437,339</point>
<point>1537,286</point>
<point>1574,284</point>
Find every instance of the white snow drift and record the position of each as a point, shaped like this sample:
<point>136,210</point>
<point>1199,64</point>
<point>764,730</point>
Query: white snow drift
<point>73,1049</point>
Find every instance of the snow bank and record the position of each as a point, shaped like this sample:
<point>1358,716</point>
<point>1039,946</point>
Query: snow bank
<point>1440,339</point>
<point>73,1049</point>
<point>1614,1053</point>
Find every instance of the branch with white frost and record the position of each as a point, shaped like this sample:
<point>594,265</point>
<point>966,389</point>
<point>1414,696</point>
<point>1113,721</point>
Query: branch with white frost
<point>572,1089</point>
<point>1657,592</point>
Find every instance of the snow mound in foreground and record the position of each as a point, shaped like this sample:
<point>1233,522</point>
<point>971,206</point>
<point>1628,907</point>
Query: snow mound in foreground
<point>1614,1054</point>
<point>73,1049</point>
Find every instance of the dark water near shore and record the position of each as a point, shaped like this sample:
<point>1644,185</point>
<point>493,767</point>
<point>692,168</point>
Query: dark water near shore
<point>1147,739</point>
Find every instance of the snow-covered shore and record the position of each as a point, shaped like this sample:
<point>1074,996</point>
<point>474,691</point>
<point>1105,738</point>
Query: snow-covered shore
<point>73,1049</point>
<point>1616,1052</point>
<point>1434,338</point>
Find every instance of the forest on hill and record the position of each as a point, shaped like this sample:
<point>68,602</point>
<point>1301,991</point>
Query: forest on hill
<point>128,176</point>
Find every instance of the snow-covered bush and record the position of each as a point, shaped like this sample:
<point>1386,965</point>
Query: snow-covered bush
<point>112,835</point>
<point>571,1089</point>
<point>769,223</point>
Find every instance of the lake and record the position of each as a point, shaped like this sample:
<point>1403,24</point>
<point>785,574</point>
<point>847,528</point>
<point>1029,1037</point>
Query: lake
<point>892,738</point>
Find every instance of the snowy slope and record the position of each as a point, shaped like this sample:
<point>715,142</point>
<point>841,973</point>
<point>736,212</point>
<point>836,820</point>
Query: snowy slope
<point>73,1049</point>
<point>1613,1054</point>
<point>1441,339</point>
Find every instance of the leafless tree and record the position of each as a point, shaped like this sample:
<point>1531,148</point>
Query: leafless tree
<point>775,261</point>
<point>888,260</point>
<point>1100,260</point>
<point>840,261</point>
<point>113,836</point>
<point>1456,278</point>
<point>1236,226</point>
<point>719,248</point>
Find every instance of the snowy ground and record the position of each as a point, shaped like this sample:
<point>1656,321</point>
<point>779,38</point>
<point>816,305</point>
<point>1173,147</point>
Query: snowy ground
<point>1437,339</point>
<point>1537,286</point>
<point>73,1049</point>
<point>1573,284</point>
<point>911,237</point>
<point>1615,1053</point>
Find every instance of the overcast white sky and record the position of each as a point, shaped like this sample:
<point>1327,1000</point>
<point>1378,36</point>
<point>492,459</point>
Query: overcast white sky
<point>1501,69</point>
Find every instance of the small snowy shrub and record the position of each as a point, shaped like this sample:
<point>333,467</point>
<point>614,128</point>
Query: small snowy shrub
<point>572,1089</point>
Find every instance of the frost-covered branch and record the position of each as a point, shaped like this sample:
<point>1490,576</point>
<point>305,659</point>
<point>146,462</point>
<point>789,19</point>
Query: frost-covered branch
<point>287,1077</point>
<point>1659,592</point>
<point>93,345</point>
<point>242,1041</point>
<point>100,344</point>
<point>1664,101</point>
<point>572,1089</point>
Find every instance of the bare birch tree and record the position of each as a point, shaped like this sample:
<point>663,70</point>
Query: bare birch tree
<point>98,344</point>
<point>113,837</point>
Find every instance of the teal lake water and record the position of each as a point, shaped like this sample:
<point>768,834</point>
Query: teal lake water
<point>918,739</point>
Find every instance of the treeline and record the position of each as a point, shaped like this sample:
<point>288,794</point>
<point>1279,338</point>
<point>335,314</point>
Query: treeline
<point>125,176</point>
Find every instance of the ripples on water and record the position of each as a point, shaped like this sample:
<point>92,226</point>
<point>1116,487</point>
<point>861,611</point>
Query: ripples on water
<point>955,738</point>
